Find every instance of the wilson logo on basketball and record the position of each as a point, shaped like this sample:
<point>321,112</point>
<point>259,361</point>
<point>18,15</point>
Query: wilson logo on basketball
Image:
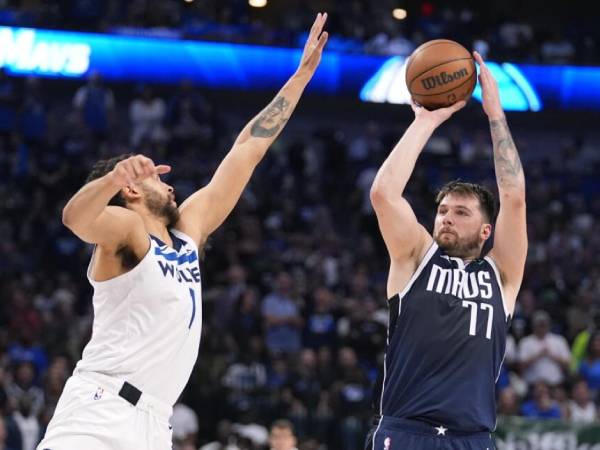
<point>443,78</point>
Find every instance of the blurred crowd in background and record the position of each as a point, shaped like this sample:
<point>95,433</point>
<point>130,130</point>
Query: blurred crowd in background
<point>554,32</point>
<point>294,304</point>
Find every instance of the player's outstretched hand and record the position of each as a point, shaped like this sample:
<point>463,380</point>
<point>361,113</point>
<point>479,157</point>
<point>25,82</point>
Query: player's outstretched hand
<point>438,116</point>
<point>313,49</point>
<point>134,169</point>
<point>490,97</point>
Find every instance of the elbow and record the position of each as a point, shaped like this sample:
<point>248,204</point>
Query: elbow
<point>375,193</point>
<point>382,194</point>
<point>67,217</point>
<point>378,193</point>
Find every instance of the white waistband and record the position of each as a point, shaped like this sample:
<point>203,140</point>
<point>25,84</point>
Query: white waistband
<point>113,385</point>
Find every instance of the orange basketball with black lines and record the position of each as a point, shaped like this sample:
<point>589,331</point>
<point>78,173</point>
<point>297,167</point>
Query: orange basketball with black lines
<point>440,73</point>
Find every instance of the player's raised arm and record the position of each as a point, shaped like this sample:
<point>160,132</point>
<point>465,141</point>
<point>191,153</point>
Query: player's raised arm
<point>510,239</point>
<point>206,209</point>
<point>405,238</point>
<point>89,215</point>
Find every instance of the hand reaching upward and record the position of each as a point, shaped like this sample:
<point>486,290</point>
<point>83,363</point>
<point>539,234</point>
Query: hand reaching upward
<point>313,49</point>
<point>490,97</point>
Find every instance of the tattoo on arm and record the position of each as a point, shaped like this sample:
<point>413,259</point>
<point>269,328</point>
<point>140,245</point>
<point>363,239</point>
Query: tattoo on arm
<point>509,172</point>
<point>271,119</point>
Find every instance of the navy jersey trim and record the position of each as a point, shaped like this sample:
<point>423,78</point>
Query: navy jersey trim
<point>177,242</point>
<point>507,313</point>
<point>420,268</point>
<point>391,304</point>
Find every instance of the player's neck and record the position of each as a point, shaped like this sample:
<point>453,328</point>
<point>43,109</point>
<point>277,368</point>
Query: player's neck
<point>156,227</point>
<point>466,259</point>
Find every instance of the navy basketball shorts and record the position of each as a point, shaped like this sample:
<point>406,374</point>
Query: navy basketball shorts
<point>390,433</point>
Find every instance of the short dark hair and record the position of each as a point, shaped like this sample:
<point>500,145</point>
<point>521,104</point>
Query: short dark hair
<point>104,166</point>
<point>487,201</point>
<point>283,423</point>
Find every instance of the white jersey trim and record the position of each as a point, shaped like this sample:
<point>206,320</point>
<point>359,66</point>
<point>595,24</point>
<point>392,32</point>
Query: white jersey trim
<point>507,313</point>
<point>422,264</point>
<point>375,433</point>
<point>119,278</point>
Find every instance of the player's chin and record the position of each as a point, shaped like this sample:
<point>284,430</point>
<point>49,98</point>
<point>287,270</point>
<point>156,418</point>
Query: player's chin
<point>445,238</point>
<point>446,242</point>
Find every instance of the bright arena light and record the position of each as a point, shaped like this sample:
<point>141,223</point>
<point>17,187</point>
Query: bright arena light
<point>399,13</point>
<point>257,3</point>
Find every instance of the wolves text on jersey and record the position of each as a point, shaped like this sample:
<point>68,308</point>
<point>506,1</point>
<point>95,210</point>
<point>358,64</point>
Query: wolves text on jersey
<point>187,275</point>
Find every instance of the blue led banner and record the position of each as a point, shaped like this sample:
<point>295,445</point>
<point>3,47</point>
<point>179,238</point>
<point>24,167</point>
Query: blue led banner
<point>25,51</point>
<point>210,64</point>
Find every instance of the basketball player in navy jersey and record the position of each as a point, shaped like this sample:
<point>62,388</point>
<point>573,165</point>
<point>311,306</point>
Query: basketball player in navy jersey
<point>450,306</point>
<point>146,279</point>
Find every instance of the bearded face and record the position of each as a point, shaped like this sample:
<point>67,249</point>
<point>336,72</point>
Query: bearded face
<point>457,246</point>
<point>162,206</point>
<point>460,229</point>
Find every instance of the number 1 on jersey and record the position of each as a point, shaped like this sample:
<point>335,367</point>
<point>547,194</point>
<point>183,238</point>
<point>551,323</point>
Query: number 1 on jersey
<point>473,320</point>
<point>193,295</point>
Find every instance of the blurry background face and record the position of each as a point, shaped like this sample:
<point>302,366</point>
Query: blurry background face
<point>458,225</point>
<point>541,327</point>
<point>282,439</point>
<point>595,346</point>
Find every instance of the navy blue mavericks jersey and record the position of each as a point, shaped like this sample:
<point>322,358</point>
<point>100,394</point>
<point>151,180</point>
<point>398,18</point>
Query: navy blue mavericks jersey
<point>446,343</point>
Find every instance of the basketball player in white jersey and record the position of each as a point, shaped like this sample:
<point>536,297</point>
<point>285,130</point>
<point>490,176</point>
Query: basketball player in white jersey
<point>146,279</point>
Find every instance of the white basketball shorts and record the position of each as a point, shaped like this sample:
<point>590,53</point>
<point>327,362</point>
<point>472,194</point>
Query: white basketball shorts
<point>91,415</point>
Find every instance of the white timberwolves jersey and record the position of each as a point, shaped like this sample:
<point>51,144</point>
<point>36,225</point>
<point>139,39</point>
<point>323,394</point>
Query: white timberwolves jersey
<point>147,322</point>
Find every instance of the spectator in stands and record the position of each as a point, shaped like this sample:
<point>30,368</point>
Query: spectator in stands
<point>224,438</point>
<point>246,379</point>
<point>23,387</point>
<point>189,113</point>
<point>557,50</point>
<point>351,400</point>
<point>544,356</point>
<point>304,381</point>
<point>589,369</point>
<point>147,114</point>
<point>94,103</point>
<point>4,445</point>
<point>281,436</point>
<point>246,320</point>
<point>508,402</point>
<point>27,422</point>
<point>10,434</point>
<point>321,324</point>
<point>185,425</point>
<point>541,406</point>
<point>282,318</point>
<point>581,408</point>
<point>33,113</point>
<point>580,346</point>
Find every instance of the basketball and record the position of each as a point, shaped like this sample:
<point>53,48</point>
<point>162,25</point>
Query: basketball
<point>440,73</point>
